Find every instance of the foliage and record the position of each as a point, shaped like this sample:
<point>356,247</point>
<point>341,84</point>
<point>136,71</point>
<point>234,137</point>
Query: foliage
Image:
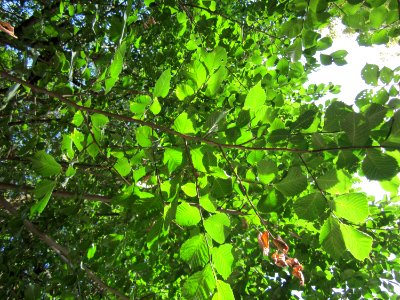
<point>155,139</point>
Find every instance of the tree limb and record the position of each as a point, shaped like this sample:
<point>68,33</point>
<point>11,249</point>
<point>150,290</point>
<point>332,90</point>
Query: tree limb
<point>168,130</point>
<point>60,250</point>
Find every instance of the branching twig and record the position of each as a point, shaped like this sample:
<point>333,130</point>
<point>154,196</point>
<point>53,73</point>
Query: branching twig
<point>173,132</point>
<point>243,190</point>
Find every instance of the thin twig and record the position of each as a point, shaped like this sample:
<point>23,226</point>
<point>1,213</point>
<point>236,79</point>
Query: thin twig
<point>243,190</point>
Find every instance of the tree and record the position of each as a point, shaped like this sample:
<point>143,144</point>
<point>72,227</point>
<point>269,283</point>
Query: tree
<point>145,145</point>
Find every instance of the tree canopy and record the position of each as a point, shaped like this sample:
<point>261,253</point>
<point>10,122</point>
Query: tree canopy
<point>147,145</point>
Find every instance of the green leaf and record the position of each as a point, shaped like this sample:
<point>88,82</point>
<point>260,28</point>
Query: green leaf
<point>255,98</point>
<point>45,164</point>
<point>143,134</point>
<point>197,159</point>
<point>222,258</point>
<point>352,207</point>
<point>218,227</point>
<point>183,124</point>
<point>379,166</point>
<point>331,239</point>
<point>326,60</point>
<point>91,251</point>
<point>293,184</point>
<point>42,194</point>
<point>66,146</point>
<point>375,114</point>
<point>328,180</point>
<point>305,120</point>
<point>155,107</point>
<point>194,251</point>
<point>215,82</point>
<point>266,170</point>
<point>78,137</point>
<point>115,67</point>
<point>377,16</point>
<point>224,291</point>
<point>189,189</point>
<point>358,243</point>
<point>184,90</point>
<point>99,120</point>
<point>324,43</point>
<point>310,207</point>
<point>187,215</point>
<point>70,171</point>
<point>213,60</point>
<point>163,83</point>
<point>208,203</point>
<point>93,150</point>
<point>386,75</point>
<point>77,119</point>
<point>173,158</point>
<point>339,54</point>
<point>221,187</point>
<point>356,129</point>
<point>291,28</point>
<point>370,74</point>
<point>197,73</point>
<point>123,166</point>
<point>199,285</point>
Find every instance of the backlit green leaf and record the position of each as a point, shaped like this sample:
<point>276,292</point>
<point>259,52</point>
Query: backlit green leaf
<point>255,98</point>
<point>195,251</point>
<point>199,285</point>
<point>123,166</point>
<point>224,291</point>
<point>218,227</point>
<point>353,207</point>
<point>45,164</point>
<point>43,192</point>
<point>331,239</point>
<point>358,243</point>
<point>370,74</point>
<point>187,215</point>
<point>222,258</point>
<point>189,189</point>
<point>173,158</point>
<point>183,124</point>
<point>163,83</point>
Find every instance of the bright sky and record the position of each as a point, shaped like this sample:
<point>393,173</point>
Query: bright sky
<point>349,77</point>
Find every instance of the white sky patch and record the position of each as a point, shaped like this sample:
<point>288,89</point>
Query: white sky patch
<point>349,78</point>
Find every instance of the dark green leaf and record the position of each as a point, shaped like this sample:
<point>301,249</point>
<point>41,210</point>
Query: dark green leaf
<point>379,166</point>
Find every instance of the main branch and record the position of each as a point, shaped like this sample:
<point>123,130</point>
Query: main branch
<point>167,130</point>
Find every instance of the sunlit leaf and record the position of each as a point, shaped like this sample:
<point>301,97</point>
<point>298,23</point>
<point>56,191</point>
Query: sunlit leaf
<point>195,251</point>
<point>187,215</point>
<point>218,227</point>
<point>199,285</point>
<point>163,83</point>
<point>358,243</point>
<point>45,164</point>
<point>222,258</point>
<point>43,192</point>
<point>331,239</point>
<point>353,207</point>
